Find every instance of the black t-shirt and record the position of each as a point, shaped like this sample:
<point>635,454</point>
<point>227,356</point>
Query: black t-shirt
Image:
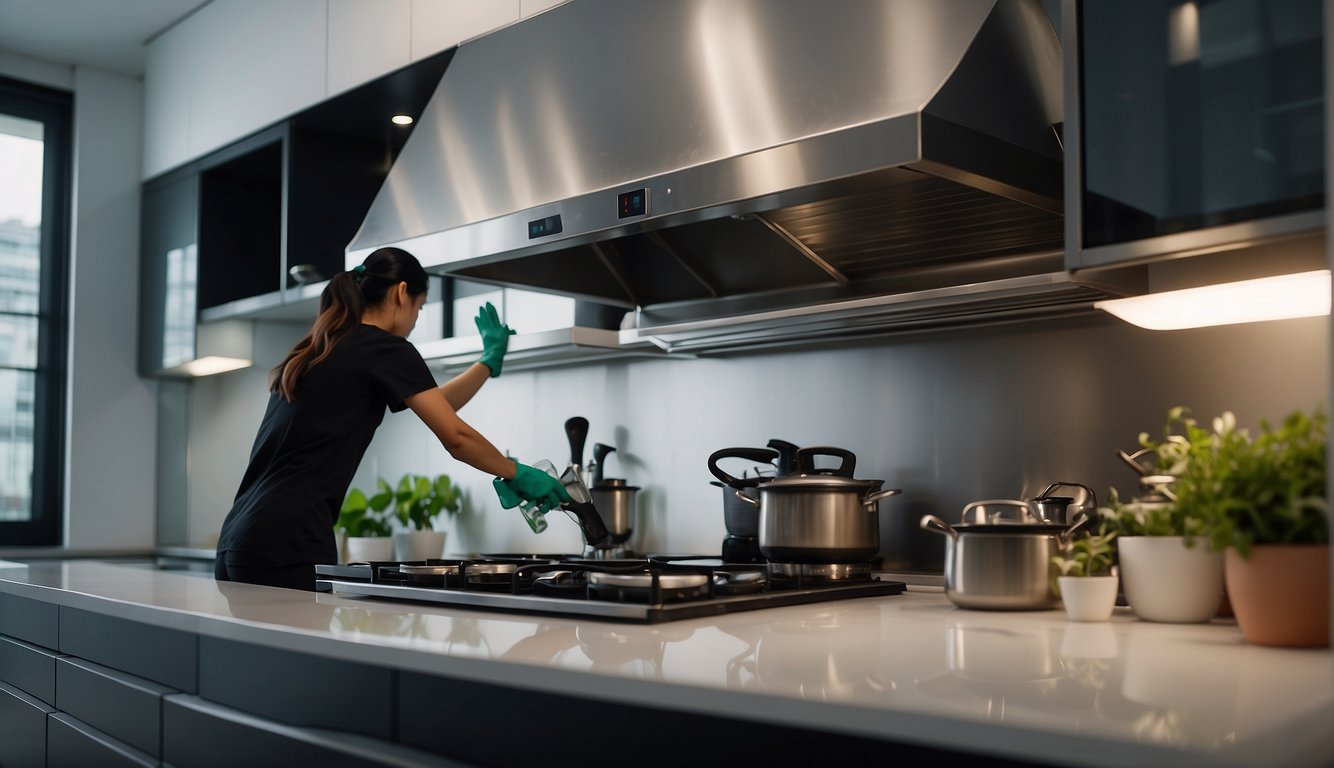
<point>307,450</point>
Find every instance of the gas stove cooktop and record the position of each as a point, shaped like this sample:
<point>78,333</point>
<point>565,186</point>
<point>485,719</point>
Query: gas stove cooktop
<point>647,590</point>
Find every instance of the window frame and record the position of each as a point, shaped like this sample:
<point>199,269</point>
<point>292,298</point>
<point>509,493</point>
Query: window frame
<point>55,110</point>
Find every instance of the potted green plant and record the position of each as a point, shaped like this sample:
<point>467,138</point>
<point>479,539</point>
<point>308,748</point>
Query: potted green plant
<point>364,526</point>
<point>1167,572</point>
<point>1086,578</point>
<point>1264,506</point>
<point>418,504</point>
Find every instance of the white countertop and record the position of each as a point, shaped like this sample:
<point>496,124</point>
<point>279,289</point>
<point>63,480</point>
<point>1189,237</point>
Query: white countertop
<point>910,667</point>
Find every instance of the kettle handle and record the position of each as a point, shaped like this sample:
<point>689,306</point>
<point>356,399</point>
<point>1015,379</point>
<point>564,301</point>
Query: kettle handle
<point>936,525</point>
<point>1092,497</point>
<point>765,455</point>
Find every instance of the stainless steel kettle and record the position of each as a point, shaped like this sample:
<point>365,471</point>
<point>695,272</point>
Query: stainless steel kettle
<point>1055,509</point>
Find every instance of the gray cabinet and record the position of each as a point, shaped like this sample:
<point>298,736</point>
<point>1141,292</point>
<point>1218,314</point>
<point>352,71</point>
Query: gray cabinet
<point>22,729</point>
<point>75,744</point>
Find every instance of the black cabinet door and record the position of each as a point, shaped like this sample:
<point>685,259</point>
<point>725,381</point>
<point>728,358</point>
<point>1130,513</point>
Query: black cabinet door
<point>1196,115</point>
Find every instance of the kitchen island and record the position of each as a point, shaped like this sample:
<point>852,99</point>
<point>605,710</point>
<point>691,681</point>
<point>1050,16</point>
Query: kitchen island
<point>410,684</point>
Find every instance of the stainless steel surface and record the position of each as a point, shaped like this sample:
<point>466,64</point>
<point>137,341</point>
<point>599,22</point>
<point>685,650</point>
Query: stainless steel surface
<point>1062,509</point>
<point>645,580</point>
<point>1009,571</point>
<point>541,349</point>
<point>616,504</point>
<point>820,519</point>
<point>429,570</point>
<point>823,571</point>
<point>792,153</point>
<point>927,300</point>
<point>530,603</point>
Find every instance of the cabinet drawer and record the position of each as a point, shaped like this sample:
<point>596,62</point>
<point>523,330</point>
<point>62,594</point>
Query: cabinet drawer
<point>30,668</point>
<point>32,621</point>
<point>297,688</point>
<point>200,733</point>
<point>73,744</point>
<point>165,656</point>
<point>22,729</point>
<point>127,708</point>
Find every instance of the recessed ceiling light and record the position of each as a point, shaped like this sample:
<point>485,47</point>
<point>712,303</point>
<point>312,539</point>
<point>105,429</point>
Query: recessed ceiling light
<point>401,119</point>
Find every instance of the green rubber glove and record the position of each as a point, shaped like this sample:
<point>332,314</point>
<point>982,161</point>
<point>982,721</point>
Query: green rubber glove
<point>495,339</point>
<point>530,484</point>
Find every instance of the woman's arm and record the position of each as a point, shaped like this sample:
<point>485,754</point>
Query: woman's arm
<point>460,389</point>
<point>462,441</point>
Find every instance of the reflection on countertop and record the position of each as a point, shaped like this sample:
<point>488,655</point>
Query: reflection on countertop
<point>1129,683</point>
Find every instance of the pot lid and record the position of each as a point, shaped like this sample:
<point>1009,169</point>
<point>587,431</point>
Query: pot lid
<point>819,482</point>
<point>1015,528</point>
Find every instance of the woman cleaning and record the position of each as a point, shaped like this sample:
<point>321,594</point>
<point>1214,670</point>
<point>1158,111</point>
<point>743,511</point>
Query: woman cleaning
<point>328,396</point>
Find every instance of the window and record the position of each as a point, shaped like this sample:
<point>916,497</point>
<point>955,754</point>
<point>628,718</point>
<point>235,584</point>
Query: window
<point>34,203</point>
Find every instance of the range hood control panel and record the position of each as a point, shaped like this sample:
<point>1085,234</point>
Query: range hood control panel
<point>545,226</point>
<point>632,203</point>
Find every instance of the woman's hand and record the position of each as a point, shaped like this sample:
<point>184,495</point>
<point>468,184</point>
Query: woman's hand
<point>495,338</point>
<point>530,484</point>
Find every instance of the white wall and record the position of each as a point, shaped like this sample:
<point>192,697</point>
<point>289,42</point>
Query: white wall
<point>110,451</point>
<point>112,427</point>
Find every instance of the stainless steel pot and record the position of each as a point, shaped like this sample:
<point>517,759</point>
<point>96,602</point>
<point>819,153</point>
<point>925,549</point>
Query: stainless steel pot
<point>819,518</point>
<point>1001,566</point>
<point>615,502</point>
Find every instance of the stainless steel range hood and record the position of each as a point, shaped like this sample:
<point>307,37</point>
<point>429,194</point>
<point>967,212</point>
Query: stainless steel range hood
<point>754,164</point>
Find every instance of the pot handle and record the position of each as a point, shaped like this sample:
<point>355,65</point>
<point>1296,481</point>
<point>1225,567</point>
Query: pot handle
<point>765,455</point>
<point>1068,534</point>
<point>936,525</point>
<point>878,495</point>
<point>805,458</point>
<point>787,456</point>
<point>1133,460</point>
<point>1028,515</point>
<point>742,495</point>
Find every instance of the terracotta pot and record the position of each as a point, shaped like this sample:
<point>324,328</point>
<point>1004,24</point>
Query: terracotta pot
<point>1280,594</point>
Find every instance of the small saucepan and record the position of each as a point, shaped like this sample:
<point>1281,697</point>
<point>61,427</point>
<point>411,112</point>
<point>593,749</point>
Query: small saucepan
<point>740,517</point>
<point>1001,566</point>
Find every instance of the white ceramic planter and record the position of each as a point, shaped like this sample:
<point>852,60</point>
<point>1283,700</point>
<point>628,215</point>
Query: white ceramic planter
<point>1088,598</point>
<point>419,545</point>
<point>1165,580</point>
<point>366,549</point>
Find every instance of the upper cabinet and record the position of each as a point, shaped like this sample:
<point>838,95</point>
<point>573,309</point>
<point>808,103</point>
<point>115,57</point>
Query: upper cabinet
<point>253,229</point>
<point>1191,126</point>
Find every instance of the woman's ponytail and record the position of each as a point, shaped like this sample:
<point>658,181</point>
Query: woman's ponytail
<point>342,303</point>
